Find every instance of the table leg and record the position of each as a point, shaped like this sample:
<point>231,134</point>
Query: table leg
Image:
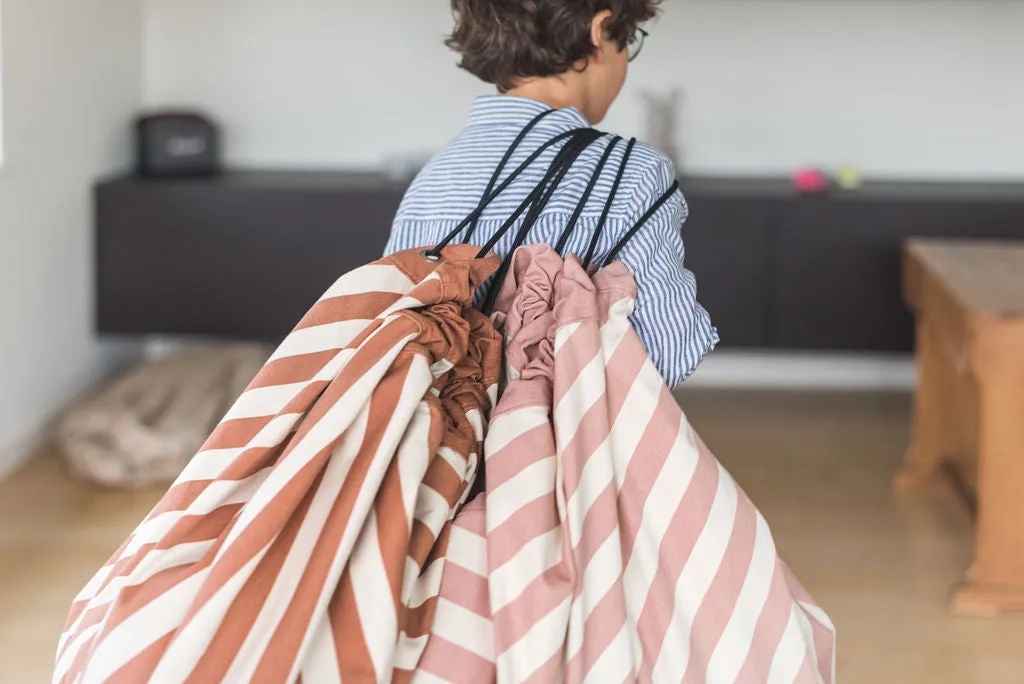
<point>996,581</point>
<point>928,441</point>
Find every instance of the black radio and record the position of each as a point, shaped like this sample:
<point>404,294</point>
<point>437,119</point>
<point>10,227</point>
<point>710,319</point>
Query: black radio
<point>177,144</point>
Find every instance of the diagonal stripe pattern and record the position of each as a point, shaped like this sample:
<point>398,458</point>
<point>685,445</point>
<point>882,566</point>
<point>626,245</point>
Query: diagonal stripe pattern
<point>611,545</point>
<point>306,540</point>
<point>314,538</point>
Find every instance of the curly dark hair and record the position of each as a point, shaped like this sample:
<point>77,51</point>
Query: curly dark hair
<point>503,41</point>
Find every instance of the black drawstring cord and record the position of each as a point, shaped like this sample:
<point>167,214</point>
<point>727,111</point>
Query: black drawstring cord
<point>567,233</point>
<point>531,200</point>
<point>562,165</point>
<point>434,253</point>
<point>503,163</point>
<point>639,224</point>
<point>596,237</point>
<point>578,140</point>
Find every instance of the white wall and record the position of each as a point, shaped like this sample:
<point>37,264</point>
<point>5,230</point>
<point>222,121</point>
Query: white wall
<point>923,88</point>
<point>71,82</point>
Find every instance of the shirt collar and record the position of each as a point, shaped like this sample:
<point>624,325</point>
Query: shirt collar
<point>517,111</point>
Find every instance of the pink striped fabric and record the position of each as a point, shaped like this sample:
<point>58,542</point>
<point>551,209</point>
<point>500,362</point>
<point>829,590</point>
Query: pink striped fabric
<point>611,546</point>
<point>306,540</point>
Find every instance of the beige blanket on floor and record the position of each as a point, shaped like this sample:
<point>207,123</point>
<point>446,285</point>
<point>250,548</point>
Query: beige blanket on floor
<point>144,427</point>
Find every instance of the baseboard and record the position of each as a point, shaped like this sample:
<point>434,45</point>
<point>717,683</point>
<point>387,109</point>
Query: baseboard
<point>113,356</point>
<point>806,371</point>
<point>721,370</point>
<point>16,453</point>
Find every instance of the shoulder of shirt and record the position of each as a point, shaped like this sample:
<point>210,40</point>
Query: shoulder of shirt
<point>648,174</point>
<point>651,173</point>
<point>447,162</point>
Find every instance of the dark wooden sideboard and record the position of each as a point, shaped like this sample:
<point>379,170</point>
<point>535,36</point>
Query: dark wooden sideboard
<point>245,254</point>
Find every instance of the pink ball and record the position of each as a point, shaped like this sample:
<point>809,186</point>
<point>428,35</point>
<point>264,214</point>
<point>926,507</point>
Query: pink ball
<point>810,181</point>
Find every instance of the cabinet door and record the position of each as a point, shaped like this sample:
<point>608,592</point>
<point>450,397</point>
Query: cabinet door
<point>839,280</point>
<point>729,248</point>
<point>201,259</point>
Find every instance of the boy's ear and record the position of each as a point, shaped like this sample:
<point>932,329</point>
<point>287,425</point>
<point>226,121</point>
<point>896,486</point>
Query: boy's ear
<point>598,35</point>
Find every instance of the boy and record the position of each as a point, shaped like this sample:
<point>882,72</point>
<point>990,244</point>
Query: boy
<point>570,56</point>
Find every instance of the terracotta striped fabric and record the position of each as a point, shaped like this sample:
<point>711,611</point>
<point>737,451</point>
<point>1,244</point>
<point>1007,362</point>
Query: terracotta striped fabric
<point>306,540</point>
<point>611,546</point>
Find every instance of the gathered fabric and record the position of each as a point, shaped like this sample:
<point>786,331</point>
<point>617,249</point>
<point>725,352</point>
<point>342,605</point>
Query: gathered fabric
<point>306,539</point>
<point>610,544</point>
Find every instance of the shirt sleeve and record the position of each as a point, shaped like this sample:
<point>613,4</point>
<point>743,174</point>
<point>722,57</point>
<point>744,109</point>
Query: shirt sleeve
<point>673,326</point>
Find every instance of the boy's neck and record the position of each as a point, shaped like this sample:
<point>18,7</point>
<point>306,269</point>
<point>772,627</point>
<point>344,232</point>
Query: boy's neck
<point>557,92</point>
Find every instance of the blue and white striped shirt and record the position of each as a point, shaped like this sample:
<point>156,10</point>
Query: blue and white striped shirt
<point>676,330</point>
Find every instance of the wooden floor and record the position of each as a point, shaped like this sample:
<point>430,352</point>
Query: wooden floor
<point>819,467</point>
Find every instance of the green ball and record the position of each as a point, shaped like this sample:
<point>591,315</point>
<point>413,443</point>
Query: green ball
<point>849,178</point>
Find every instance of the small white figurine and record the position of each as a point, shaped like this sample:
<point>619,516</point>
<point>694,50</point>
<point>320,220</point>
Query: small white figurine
<point>661,122</point>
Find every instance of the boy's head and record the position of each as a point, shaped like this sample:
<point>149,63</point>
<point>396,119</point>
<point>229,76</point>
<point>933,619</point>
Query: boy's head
<point>577,47</point>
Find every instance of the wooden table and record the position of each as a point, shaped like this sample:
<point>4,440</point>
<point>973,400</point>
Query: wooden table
<point>968,298</point>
